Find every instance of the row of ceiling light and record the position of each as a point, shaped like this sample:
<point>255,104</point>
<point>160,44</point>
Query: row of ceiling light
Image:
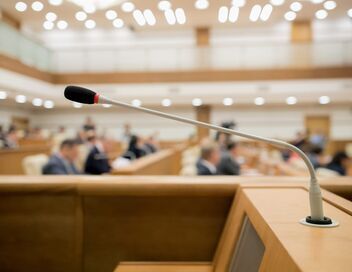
<point>37,102</point>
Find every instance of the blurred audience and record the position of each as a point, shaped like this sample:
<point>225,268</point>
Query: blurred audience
<point>318,139</point>
<point>209,159</point>
<point>62,162</point>
<point>126,134</point>
<point>135,148</point>
<point>150,145</point>
<point>339,163</point>
<point>97,162</point>
<point>11,138</point>
<point>228,164</point>
<point>89,124</point>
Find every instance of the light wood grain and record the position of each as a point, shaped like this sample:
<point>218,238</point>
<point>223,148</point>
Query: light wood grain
<point>164,267</point>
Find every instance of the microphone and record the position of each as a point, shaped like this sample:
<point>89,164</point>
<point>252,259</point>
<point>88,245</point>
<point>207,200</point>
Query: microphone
<point>316,219</point>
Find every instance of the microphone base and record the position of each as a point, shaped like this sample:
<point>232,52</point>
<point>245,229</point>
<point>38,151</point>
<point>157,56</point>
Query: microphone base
<point>325,223</point>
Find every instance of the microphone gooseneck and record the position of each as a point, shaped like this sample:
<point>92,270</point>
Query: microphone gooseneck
<point>316,204</point>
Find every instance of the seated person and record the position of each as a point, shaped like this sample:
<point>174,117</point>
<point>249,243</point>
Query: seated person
<point>150,145</point>
<point>228,164</point>
<point>135,148</point>
<point>97,162</point>
<point>62,162</point>
<point>209,159</point>
<point>339,163</point>
<point>11,138</point>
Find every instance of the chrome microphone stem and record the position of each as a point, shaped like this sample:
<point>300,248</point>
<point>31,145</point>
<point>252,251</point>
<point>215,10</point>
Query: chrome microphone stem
<point>314,189</point>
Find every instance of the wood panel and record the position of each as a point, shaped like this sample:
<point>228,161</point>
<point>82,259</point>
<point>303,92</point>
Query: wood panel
<point>203,114</point>
<point>301,31</point>
<point>202,36</point>
<point>164,267</point>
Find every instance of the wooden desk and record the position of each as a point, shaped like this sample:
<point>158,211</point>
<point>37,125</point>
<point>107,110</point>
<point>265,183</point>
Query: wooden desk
<point>11,159</point>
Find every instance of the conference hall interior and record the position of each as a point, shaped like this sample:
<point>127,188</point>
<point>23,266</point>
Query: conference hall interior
<point>175,135</point>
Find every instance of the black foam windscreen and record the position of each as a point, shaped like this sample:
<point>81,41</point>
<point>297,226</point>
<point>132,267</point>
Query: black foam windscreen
<point>79,94</point>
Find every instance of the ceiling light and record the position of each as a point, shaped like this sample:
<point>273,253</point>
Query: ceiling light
<point>55,2</point>
<point>90,24</point>
<point>266,12</point>
<point>201,4</point>
<point>166,102</point>
<point>164,5</point>
<point>37,6</point>
<point>259,101</point>
<point>277,2</point>
<point>111,15</point>
<point>227,101</point>
<point>329,5</point>
<point>180,16</point>
<point>21,6</point>
<point>291,100</point>
<point>238,3</point>
<point>127,7</point>
<point>62,24</point>
<point>81,16</point>
<point>21,99</point>
<point>290,16</point>
<point>233,14</point>
<point>136,103</point>
<point>107,105</point>
<point>197,102</point>
<point>222,15</point>
<point>3,95</point>
<point>321,14</point>
<point>317,1</point>
<point>51,16</point>
<point>77,105</point>
<point>324,100</point>
<point>138,16</point>
<point>48,104</point>
<point>48,25</point>
<point>37,102</point>
<point>89,8</point>
<point>118,23</point>
<point>255,13</point>
<point>296,6</point>
<point>170,16</point>
<point>149,17</point>
<point>349,13</point>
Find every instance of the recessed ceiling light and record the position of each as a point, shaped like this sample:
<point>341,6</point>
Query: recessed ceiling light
<point>170,17</point>
<point>166,102</point>
<point>266,12</point>
<point>89,8</point>
<point>37,6</point>
<point>291,100</point>
<point>21,6</point>
<point>296,6</point>
<point>233,14</point>
<point>51,16</point>
<point>90,24</point>
<point>180,16</point>
<point>118,23</point>
<point>164,5</point>
<point>77,105</point>
<point>277,2</point>
<point>139,17</point>
<point>196,102</point>
<point>223,13</point>
<point>127,7</point>
<point>21,98</point>
<point>228,101</point>
<point>321,14</point>
<point>62,24</point>
<point>317,1</point>
<point>290,16</point>
<point>37,102</point>
<point>48,104</point>
<point>111,15</point>
<point>259,101</point>
<point>349,13</point>
<point>201,4</point>
<point>107,105</point>
<point>136,103</point>
<point>324,100</point>
<point>3,95</point>
<point>55,2</point>
<point>48,25</point>
<point>238,3</point>
<point>255,13</point>
<point>149,17</point>
<point>330,5</point>
<point>81,16</point>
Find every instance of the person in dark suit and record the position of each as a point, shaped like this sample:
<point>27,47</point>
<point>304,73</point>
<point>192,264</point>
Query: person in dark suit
<point>209,158</point>
<point>97,162</point>
<point>339,163</point>
<point>62,163</point>
<point>228,164</point>
<point>135,148</point>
